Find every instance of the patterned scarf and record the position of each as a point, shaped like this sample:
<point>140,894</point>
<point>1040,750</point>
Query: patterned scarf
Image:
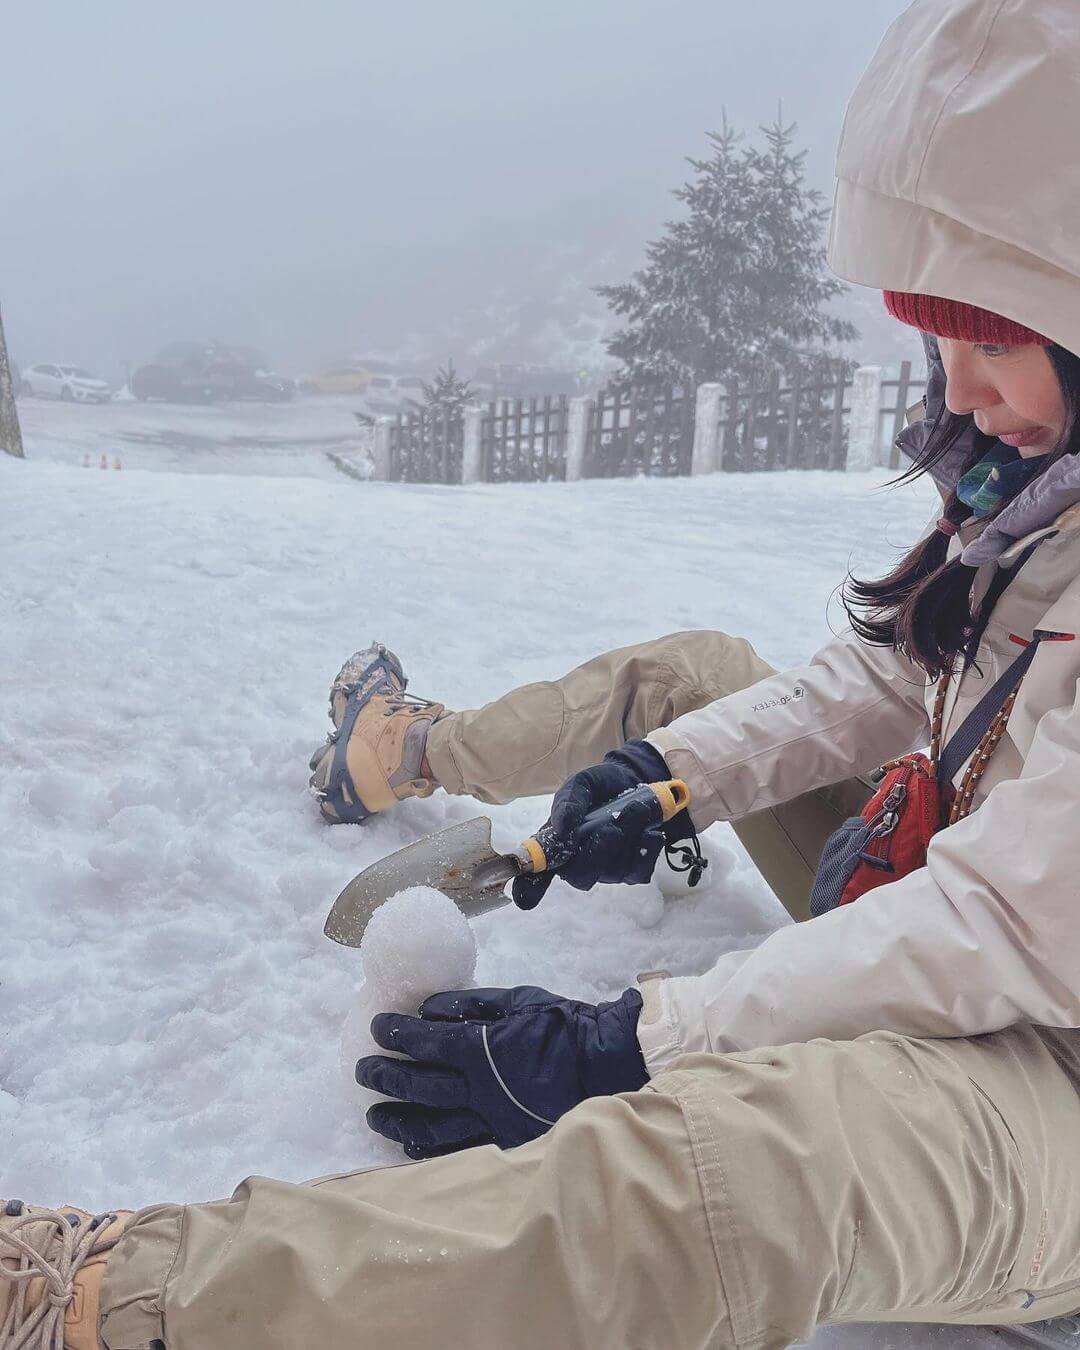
<point>1000,473</point>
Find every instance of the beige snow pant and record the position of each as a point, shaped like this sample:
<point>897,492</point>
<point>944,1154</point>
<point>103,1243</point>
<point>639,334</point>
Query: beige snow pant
<point>530,740</point>
<point>737,1201</point>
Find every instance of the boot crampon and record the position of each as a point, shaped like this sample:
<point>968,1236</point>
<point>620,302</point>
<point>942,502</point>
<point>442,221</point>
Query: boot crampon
<point>374,756</point>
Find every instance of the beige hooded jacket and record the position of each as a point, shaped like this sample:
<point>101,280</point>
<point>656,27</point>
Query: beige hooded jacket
<point>957,175</point>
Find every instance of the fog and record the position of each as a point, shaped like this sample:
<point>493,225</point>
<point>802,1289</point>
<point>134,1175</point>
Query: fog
<point>327,178</point>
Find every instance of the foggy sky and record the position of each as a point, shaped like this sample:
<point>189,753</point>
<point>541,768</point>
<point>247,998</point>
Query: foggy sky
<point>322,178</point>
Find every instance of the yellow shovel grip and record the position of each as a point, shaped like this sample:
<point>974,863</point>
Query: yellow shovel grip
<point>674,796</point>
<point>534,853</point>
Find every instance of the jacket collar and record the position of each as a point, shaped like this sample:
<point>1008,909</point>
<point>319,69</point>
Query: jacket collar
<point>1037,510</point>
<point>1067,522</point>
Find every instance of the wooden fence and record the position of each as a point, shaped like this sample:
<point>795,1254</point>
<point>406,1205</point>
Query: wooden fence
<point>785,425</point>
<point>521,441</point>
<point>904,396</point>
<point>779,424</point>
<point>426,448</point>
<point>524,440</point>
<point>637,431</point>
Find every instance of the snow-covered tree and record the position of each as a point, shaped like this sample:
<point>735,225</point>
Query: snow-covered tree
<point>447,393</point>
<point>737,286</point>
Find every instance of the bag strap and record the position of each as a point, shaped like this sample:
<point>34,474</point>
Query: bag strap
<point>968,736</point>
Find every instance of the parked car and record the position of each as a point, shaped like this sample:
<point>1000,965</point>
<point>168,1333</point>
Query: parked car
<point>515,381</point>
<point>265,386</point>
<point>73,384</point>
<point>344,379</point>
<point>389,394</point>
<point>193,372</point>
<point>174,384</point>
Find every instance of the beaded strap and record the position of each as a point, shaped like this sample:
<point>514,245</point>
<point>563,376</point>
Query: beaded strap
<point>977,763</point>
<point>980,758</point>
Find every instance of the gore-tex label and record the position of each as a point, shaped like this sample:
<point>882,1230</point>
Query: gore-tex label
<point>779,701</point>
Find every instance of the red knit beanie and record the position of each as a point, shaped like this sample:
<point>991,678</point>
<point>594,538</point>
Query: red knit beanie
<point>952,319</point>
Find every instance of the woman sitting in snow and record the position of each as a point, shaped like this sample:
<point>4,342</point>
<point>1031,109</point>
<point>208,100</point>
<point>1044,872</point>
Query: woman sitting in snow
<point>871,1116</point>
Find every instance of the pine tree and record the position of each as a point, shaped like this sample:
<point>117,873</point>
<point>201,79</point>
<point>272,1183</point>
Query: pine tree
<point>447,393</point>
<point>736,286</point>
<point>431,441</point>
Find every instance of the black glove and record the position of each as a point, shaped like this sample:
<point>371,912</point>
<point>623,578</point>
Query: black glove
<point>497,1066</point>
<point>624,850</point>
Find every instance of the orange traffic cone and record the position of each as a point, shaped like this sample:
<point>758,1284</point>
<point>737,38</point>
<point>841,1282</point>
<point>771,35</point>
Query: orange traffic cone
<point>116,462</point>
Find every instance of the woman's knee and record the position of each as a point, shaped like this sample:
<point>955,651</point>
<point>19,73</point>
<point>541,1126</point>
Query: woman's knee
<point>687,670</point>
<point>834,1158</point>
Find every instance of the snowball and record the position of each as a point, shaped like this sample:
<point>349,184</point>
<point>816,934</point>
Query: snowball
<point>417,943</point>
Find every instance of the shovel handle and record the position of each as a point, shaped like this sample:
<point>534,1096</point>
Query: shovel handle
<point>545,851</point>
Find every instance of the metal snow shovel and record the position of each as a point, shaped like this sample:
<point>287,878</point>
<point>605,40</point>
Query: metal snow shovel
<point>461,862</point>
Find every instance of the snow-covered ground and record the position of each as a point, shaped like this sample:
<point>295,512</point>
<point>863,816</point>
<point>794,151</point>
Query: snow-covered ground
<point>280,439</point>
<point>169,1007</point>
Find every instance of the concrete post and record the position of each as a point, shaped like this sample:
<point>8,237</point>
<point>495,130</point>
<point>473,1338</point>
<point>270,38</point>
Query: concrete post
<point>864,429</point>
<point>707,454</point>
<point>381,451</point>
<point>578,412</point>
<point>472,465</point>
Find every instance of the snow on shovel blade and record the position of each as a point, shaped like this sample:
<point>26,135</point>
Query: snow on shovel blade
<point>458,861</point>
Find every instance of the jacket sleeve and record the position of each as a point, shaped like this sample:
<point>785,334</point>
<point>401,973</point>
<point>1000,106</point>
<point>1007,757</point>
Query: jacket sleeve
<point>852,708</point>
<point>984,936</point>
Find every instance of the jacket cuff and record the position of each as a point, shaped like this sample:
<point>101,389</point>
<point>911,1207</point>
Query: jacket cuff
<point>643,759</point>
<point>705,804</point>
<point>657,1033</point>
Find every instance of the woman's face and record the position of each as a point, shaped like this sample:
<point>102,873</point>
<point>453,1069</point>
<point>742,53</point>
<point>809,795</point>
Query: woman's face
<point>1013,392</point>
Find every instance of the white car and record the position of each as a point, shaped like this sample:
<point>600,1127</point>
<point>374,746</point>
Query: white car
<point>73,384</point>
<point>389,394</point>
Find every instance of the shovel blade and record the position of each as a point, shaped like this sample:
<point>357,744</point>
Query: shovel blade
<point>449,861</point>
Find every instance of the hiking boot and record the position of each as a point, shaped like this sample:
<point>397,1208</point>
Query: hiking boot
<point>374,757</point>
<point>52,1263</point>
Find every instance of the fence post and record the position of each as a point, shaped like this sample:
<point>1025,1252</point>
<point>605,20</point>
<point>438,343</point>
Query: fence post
<point>381,449</point>
<point>472,468</point>
<point>708,450</point>
<point>864,429</point>
<point>903,387</point>
<point>577,435</point>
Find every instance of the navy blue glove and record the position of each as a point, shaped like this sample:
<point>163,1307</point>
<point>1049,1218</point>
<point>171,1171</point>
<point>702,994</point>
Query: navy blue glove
<point>497,1066</point>
<point>626,849</point>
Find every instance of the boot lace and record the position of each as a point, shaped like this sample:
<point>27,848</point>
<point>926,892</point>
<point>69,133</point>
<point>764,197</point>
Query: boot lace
<point>399,700</point>
<point>54,1255</point>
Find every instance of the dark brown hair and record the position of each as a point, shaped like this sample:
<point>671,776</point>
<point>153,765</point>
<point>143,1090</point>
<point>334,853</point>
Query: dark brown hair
<point>923,606</point>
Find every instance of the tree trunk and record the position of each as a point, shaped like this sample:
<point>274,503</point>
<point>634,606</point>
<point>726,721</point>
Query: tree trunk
<point>10,435</point>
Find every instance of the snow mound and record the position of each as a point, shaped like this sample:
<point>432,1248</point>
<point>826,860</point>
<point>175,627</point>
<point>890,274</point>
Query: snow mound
<point>170,1011</point>
<point>674,885</point>
<point>416,944</point>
